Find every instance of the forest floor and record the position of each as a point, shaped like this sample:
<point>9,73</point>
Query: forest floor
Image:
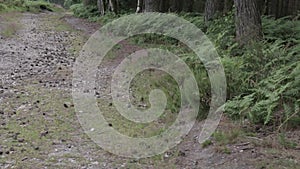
<point>38,123</point>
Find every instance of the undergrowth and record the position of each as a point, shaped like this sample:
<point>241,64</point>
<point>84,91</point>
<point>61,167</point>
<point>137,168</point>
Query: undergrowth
<point>263,78</point>
<point>27,6</point>
<point>91,13</point>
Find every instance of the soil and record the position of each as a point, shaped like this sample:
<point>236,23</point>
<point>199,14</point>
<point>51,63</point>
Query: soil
<point>38,123</point>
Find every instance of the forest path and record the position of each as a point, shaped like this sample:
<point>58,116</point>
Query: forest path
<point>38,123</point>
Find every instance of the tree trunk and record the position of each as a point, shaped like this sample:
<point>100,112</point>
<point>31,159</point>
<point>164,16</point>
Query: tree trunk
<point>164,6</point>
<point>152,5</point>
<point>139,7</point>
<point>114,6</point>
<point>248,21</point>
<point>89,2</point>
<point>228,4</point>
<point>176,6</point>
<point>281,8</point>
<point>212,8</point>
<point>261,6</point>
<point>100,6</point>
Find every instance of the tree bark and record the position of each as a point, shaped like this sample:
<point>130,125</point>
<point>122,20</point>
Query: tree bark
<point>89,2</point>
<point>281,8</point>
<point>261,6</point>
<point>176,6</point>
<point>139,7</point>
<point>100,6</point>
<point>152,5</point>
<point>212,8</point>
<point>228,4</point>
<point>248,21</point>
<point>164,6</point>
<point>114,6</point>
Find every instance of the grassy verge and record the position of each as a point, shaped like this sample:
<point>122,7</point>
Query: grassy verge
<point>34,122</point>
<point>9,24</point>
<point>28,6</point>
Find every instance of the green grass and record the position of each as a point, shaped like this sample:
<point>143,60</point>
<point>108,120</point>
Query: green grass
<point>206,143</point>
<point>28,6</point>
<point>40,120</point>
<point>285,142</point>
<point>9,24</point>
<point>227,137</point>
<point>141,85</point>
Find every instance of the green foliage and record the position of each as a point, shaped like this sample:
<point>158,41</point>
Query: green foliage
<point>206,143</point>
<point>27,5</point>
<point>285,142</point>
<point>263,78</point>
<point>38,6</point>
<point>108,17</point>
<point>3,7</point>
<point>69,3</point>
<point>284,28</point>
<point>229,137</point>
<point>273,69</point>
<point>83,11</point>
<point>80,10</point>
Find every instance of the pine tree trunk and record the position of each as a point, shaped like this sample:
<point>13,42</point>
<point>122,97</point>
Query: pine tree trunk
<point>248,21</point>
<point>261,6</point>
<point>152,5</point>
<point>292,7</point>
<point>228,4</point>
<point>212,9</point>
<point>164,6</point>
<point>100,6</point>
<point>188,6</point>
<point>114,6</point>
<point>89,2</point>
<point>139,7</point>
<point>281,8</point>
<point>176,5</point>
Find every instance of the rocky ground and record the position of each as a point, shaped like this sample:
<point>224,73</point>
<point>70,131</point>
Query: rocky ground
<point>38,123</point>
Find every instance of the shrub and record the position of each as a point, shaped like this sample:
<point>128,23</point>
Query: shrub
<point>27,5</point>
<point>3,7</point>
<point>69,3</point>
<point>82,11</point>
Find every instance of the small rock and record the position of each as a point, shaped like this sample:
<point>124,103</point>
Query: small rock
<point>21,140</point>
<point>44,133</point>
<point>181,153</point>
<point>68,104</point>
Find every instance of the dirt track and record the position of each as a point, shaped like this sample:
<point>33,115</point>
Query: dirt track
<point>38,123</point>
